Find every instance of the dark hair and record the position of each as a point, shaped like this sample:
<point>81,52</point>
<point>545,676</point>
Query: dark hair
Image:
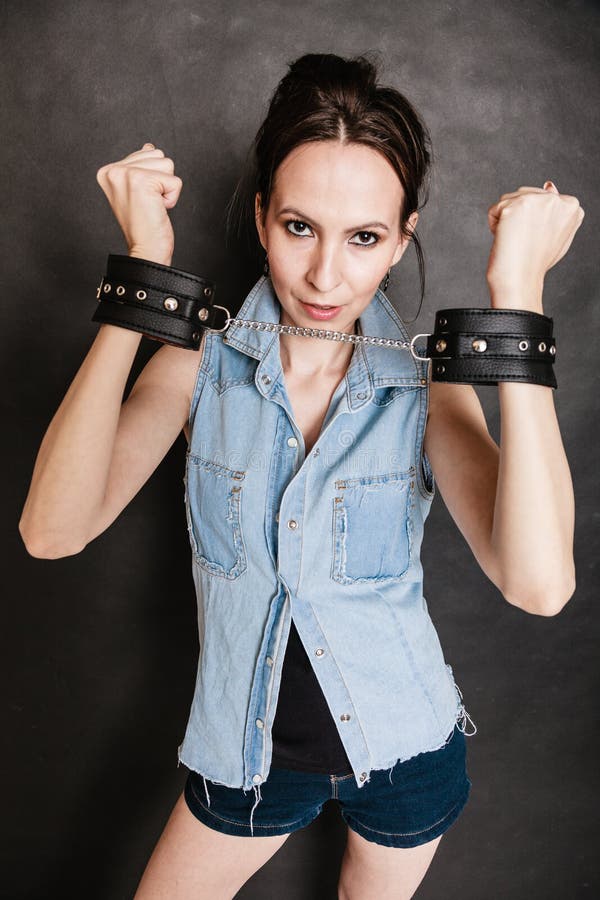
<point>326,97</point>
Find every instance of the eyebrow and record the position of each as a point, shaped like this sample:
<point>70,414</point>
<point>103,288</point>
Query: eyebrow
<point>304,218</point>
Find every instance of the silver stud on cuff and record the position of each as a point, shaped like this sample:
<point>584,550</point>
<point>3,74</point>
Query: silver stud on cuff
<point>479,344</point>
<point>106,288</point>
<point>541,347</point>
<point>141,295</point>
<point>553,350</point>
<point>120,290</point>
<point>203,314</point>
<point>440,345</point>
<point>170,303</point>
<point>523,345</point>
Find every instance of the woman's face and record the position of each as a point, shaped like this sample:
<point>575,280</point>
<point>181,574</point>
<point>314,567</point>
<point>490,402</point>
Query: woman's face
<point>332,230</point>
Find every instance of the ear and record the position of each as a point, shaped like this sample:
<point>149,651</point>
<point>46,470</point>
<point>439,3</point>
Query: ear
<point>404,241</point>
<point>258,219</point>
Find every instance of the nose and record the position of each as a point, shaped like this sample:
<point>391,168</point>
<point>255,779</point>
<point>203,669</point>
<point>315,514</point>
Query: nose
<point>324,272</point>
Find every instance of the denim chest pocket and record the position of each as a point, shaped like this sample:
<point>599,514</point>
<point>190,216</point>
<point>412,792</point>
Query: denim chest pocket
<point>372,527</point>
<point>213,503</point>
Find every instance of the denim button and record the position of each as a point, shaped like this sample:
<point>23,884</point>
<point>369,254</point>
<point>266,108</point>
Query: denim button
<point>362,776</point>
<point>257,779</point>
<point>269,661</point>
<point>277,517</point>
<point>266,379</point>
<point>361,396</point>
<point>319,651</point>
<point>292,442</point>
<point>345,717</point>
<point>259,723</point>
<point>292,524</point>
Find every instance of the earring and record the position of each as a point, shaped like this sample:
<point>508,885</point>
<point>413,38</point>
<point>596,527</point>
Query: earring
<point>266,265</point>
<point>386,280</point>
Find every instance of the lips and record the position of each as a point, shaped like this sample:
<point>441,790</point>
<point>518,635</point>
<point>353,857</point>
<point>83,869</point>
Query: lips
<point>317,305</point>
<point>320,312</point>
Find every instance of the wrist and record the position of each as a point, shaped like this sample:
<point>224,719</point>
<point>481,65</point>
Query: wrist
<point>163,257</point>
<point>527,297</point>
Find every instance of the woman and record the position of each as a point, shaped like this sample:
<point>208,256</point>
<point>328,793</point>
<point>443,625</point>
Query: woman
<point>310,471</point>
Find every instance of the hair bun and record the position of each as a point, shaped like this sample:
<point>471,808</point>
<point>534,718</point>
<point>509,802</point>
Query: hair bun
<point>327,68</point>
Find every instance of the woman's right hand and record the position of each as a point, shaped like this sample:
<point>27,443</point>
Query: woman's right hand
<point>140,189</point>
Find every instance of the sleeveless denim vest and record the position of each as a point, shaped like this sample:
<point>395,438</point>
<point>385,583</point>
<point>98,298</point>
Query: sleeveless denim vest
<point>331,539</point>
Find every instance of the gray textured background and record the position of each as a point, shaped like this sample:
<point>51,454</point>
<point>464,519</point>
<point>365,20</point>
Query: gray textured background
<point>100,649</point>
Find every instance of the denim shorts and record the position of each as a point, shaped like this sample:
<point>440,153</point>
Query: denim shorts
<point>409,804</point>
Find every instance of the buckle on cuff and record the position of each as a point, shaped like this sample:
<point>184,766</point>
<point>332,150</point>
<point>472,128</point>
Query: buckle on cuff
<point>227,320</point>
<point>412,349</point>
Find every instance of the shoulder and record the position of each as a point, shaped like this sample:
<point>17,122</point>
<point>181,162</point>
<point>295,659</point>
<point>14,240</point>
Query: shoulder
<point>455,422</point>
<point>448,398</point>
<point>465,459</point>
<point>173,371</point>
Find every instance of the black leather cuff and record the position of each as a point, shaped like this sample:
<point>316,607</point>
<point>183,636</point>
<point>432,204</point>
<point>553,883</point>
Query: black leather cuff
<point>161,302</point>
<point>484,346</point>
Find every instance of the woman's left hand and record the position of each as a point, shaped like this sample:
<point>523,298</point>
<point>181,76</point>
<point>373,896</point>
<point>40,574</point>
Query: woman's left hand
<point>533,228</point>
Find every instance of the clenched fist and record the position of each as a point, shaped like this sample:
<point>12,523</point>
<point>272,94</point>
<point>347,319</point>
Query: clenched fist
<point>533,228</point>
<point>140,189</point>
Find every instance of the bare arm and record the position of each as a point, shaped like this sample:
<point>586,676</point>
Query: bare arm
<point>97,451</point>
<point>534,513</point>
<point>514,503</point>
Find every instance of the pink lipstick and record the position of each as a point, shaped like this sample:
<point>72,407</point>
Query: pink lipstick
<point>320,312</point>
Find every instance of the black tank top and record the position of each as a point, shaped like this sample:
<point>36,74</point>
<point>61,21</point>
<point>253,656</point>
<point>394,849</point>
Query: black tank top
<point>304,734</point>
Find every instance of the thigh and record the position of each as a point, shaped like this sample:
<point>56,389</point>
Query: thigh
<point>370,871</point>
<point>192,860</point>
<point>397,819</point>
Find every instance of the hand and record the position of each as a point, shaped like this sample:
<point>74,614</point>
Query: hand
<point>140,189</point>
<point>533,228</point>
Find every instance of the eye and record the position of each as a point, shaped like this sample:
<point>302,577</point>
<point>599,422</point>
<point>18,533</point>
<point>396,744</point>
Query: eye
<point>368,234</point>
<point>299,224</point>
<point>302,229</point>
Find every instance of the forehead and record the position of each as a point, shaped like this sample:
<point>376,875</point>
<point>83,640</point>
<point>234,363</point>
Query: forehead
<point>338,177</point>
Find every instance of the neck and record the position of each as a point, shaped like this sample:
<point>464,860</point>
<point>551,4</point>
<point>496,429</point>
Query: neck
<point>314,357</point>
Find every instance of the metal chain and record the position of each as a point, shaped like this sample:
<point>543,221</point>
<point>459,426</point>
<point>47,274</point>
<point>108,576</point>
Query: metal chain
<point>319,333</point>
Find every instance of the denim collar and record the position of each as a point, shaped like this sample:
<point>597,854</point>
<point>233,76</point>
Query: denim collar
<point>371,366</point>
